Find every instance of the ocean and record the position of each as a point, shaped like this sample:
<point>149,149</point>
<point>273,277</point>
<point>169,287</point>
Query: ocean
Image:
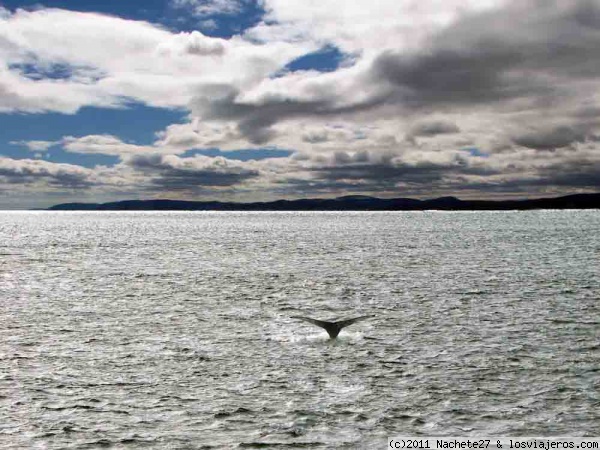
<point>173,330</point>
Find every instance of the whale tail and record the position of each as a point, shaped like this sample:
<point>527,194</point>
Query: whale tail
<point>332,328</point>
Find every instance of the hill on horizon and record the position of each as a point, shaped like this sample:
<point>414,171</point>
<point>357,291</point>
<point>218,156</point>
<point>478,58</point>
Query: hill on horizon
<point>345,203</point>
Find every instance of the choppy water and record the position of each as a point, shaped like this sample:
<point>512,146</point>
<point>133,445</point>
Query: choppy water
<point>172,330</point>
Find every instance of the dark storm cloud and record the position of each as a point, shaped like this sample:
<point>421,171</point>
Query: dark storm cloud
<point>433,128</point>
<point>255,120</point>
<point>587,112</point>
<point>557,137</point>
<point>383,173</point>
<point>589,180</point>
<point>176,173</point>
<point>522,51</point>
<point>427,177</point>
<point>581,172</point>
<point>567,169</point>
<point>447,77</point>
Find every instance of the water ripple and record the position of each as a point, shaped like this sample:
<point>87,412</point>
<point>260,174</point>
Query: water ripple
<point>173,330</point>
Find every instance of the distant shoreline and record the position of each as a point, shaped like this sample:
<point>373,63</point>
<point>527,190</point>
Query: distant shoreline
<point>347,203</point>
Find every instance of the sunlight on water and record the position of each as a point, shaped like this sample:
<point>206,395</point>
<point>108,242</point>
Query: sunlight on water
<point>174,330</point>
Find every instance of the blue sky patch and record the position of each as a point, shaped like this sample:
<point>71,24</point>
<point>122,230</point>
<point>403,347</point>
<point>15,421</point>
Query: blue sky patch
<point>38,72</point>
<point>226,25</point>
<point>57,155</point>
<point>149,10</point>
<point>157,11</point>
<point>327,59</point>
<point>137,123</point>
<point>474,151</point>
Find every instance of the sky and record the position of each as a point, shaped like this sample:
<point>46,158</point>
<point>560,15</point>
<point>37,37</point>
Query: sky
<point>258,100</point>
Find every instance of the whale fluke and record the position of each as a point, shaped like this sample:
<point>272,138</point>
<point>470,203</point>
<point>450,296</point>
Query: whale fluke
<point>332,328</point>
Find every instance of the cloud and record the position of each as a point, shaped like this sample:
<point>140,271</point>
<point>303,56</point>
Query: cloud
<point>201,134</point>
<point>386,172</point>
<point>18,93</point>
<point>305,95</point>
<point>526,53</point>
<point>430,128</point>
<point>411,171</point>
<point>202,8</point>
<point>174,173</point>
<point>400,25</point>
<point>502,66</point>
<point>550,138</point>
<point>175,139</point>
<point>102,144</point>
<point>208,25</point>
<point>35,146</point>
<point>194,43</point>
<point>32,171</point>
<point>109,62</point>
<point>515,80</point>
